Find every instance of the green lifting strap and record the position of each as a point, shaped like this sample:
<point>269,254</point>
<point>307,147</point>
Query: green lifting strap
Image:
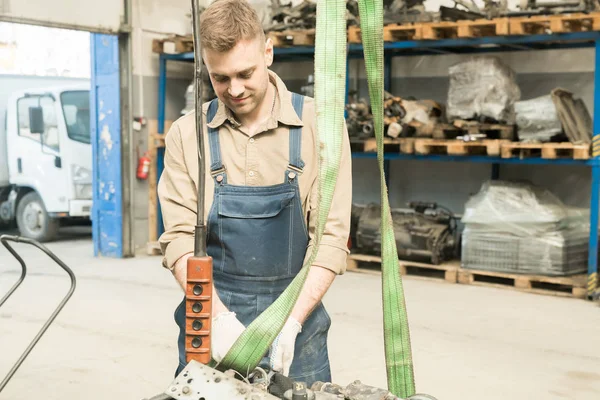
<point>330,81</point>
<point>398,354</point>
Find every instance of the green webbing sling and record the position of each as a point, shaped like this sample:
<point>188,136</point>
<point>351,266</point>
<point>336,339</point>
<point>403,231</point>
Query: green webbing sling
<point>330,81</point>
<point>398,355</point>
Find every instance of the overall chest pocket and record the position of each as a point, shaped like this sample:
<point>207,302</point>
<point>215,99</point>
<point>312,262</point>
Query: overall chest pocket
<point>254,206</point>
<point>257,233</point>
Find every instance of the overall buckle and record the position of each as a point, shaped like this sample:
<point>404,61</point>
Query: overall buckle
<point>294,168</point>
<point>217,171</point>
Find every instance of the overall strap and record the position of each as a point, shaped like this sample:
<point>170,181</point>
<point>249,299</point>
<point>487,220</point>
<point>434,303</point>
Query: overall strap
<point>216,166</point>
<point>295,162</point>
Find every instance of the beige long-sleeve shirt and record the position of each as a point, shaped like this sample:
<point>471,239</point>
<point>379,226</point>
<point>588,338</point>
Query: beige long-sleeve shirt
<point>257,160</point>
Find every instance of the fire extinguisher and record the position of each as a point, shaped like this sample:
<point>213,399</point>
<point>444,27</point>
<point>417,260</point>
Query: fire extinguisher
<point>143,167</point>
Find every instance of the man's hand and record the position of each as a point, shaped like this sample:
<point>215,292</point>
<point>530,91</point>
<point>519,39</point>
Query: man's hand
<point>317,283</point>
<point>282,349</point>
<point>226,329</point>
<point>180,273</point>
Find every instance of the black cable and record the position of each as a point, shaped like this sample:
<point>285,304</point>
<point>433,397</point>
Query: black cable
<point>200,231</point>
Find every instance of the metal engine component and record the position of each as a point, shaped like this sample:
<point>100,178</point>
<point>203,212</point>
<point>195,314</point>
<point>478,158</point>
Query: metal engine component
<point>286,17</point>
<point>359,119</point>
<point>201,382</point>
<point>541,7</point>
<point>469,11</point>
<point>500,8</point>
<point>402,118</point>
<point>425,232</point>
<point>415,117</point>
<point>406,11</point>
<point>304,15</point>
<point>355,391</point>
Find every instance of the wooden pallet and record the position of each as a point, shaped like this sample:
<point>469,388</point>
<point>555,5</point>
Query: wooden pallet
<point>491,131</point>
<point>372,265</point>
<point>440,30</point>
<point>391,33</point>
<point>537,24</point>
<point>483,27</point>
<point>396,32</point>
<point>354,34</point>
<point>546,150</point>
<point>575,23</point>
<point>293,38</point>
<point>568,286</point>
<point>540,24</point>
<point>446,131</point>
<point>407,145</point>
<point>458,147</point>
<point>404,145</point>
<point>173,45</point>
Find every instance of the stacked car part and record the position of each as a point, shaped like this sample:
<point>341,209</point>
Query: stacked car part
<point>424,232</point>
<point>517,227</point>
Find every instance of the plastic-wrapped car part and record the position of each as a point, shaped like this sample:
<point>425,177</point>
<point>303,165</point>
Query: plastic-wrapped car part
<point>537,119</point>
<point>521,228</point>
<point>561,252</point>
<point>482,88</point>
<point>520,208</point>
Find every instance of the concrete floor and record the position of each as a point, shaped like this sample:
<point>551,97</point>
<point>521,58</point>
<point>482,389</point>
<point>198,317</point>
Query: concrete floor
<point>116,337</point>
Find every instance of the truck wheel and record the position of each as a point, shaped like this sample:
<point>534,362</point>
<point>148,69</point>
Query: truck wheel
<point>33,220</point>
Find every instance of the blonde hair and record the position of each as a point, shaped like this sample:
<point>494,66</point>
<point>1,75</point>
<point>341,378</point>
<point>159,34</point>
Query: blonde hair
<point>225,22</point>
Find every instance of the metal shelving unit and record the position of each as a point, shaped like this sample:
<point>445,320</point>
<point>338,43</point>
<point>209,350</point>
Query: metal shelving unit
<point>491,44</point>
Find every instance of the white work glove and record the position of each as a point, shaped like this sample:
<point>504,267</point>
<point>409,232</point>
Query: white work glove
<point>282,349</point>
<point>226,328</point>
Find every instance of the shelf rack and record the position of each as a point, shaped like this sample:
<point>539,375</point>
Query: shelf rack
<point>490,44</point>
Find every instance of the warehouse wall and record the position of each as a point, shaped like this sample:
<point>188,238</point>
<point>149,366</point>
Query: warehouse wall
<point>154,19</point>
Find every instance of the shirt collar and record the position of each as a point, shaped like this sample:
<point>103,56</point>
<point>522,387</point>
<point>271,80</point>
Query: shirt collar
<point>282,112</point>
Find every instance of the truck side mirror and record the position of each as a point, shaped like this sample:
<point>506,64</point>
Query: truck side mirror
<point>36,120</point>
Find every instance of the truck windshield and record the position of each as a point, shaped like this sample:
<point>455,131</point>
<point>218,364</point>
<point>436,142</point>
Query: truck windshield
<point>76,109</point>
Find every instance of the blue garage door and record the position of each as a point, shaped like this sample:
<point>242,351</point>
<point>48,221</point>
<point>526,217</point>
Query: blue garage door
<point>106,146</point>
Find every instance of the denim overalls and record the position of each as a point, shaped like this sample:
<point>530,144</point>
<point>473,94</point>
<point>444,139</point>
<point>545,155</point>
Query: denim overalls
<point>257,238</point>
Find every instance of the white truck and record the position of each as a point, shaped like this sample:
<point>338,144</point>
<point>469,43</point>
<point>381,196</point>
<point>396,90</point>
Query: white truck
<point>46,160</point>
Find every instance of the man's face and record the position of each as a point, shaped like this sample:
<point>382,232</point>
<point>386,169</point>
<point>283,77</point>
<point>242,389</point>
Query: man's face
<point>240,76</point>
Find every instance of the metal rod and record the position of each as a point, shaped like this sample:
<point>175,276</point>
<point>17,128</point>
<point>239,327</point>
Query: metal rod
<point>162,93</point>
<point>21,278</point>
<point>5,239</point>
<point>200,231</point>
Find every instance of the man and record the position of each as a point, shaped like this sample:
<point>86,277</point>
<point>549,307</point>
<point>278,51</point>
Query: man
<point>261,197</point>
